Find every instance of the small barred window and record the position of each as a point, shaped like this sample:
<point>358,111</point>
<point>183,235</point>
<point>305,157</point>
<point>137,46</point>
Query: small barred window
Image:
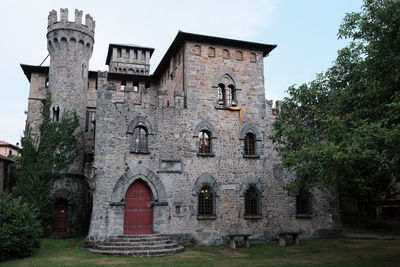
<point>252,201</point>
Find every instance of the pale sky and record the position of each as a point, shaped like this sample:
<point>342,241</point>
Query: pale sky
<point>304,30</point>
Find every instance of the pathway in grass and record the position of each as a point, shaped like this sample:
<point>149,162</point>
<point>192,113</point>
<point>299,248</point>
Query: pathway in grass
<point>323,252</point>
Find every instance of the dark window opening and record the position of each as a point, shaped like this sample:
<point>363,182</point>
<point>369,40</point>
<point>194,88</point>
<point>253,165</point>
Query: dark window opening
<point>136,86</point>
<point>10,152</point>
<point>140,139</point>
<point>204,142</point>
<point>46,83</point>
<point>119,52</point>
<point>177,210</point>
<point>123,85</point>
<point>249,144</point>
<point>303,203</point>
<point>206,199</point>
<point>56,114</point>
<point>252,202</point>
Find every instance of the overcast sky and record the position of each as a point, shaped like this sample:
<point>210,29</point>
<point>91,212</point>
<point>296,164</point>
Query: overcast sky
<point>304,30</point>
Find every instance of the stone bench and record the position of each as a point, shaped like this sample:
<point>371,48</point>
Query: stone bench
<point>294,235</point>
<point>232,243</point>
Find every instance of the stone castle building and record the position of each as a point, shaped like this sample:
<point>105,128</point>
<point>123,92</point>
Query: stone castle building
<point>183,151</point>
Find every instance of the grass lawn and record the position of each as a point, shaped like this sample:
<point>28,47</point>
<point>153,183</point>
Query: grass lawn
<point>323,252</point>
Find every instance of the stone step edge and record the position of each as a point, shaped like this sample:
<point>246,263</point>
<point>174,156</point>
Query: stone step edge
<point>101,247</point>
<point>148,253</point>
<point>147,243</point>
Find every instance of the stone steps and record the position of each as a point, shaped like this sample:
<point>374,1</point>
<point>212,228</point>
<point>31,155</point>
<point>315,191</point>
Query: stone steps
<point>138,245</point>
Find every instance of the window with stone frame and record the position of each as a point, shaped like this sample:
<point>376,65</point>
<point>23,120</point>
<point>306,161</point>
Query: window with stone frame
<point>226,95</point>
<point>206,202</point>
<point>204,142</point>
<point>250,144</point>
<point>303,203</point>
<point>140,141</point>
<point>252,202</point>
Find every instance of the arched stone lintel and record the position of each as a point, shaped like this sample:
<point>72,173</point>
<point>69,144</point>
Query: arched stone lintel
<point>205,125</point>
<point>251,179</point>
<point>249,128</point>
<point>220,74</point>
<point>152,180</point>
<point>140,121</point>
<point>205,179</point>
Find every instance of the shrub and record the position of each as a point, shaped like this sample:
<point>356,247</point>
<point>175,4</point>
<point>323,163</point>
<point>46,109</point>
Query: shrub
<point>19,227</point>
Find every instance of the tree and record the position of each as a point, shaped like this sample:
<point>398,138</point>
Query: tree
<point>44,160</point>
<point>343,128</point>
<point>20,228</point>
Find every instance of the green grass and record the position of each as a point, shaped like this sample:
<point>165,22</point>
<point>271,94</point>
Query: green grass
<point>322,252</point>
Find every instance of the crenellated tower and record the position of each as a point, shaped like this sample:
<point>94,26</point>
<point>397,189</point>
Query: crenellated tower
<point>70,45</point>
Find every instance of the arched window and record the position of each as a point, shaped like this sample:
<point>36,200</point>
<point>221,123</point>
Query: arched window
<point>239,55</point>
<point>250,144</point>
<point>204,142</point>
<point>226,95</point>
<point>140,139</point>
<point>225,53</point>
<point>252,202</point>
<point>253,57</point>
<point>197,50</point>
<point>211,52</point>
<point>206,202</point>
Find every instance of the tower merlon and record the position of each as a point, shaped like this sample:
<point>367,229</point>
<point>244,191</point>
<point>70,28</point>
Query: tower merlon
<point>54,23</point>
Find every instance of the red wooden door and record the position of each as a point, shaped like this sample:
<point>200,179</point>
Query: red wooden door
<point>138,214</point>
<point>60,223</point>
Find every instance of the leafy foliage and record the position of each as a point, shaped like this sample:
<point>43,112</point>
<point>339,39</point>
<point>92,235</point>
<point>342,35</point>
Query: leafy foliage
<point>44,160</point>
<point>20,228</point>
<point>343,128</point>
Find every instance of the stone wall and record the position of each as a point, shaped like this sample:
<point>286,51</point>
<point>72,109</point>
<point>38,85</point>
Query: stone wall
<point>175,170</point>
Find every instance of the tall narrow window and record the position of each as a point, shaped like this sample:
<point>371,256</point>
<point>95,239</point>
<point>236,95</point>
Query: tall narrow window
<point>90,121</point>
<point>206,199</point>
<point>56,113</point>
<point>140,139</point>
<point>119,52</point>
<point>252,202</point>
<point>253,57</point>
<point>204,142</point>
<point>249,144</point>
<point>303,203</point>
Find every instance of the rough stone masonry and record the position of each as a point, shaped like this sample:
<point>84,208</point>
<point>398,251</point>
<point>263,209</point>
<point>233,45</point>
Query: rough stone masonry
<point>193,136</point>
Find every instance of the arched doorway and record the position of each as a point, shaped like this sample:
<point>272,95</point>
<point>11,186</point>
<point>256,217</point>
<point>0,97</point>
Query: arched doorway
<point>138,213</point>
<point>60,223</point>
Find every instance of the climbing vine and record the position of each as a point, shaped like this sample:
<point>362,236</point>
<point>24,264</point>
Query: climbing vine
<point>45,159</point>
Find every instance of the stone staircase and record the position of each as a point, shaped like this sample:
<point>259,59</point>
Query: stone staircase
<point>138,246</point>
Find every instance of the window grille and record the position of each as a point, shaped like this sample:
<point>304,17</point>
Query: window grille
<point>204,142</point>
<point>249,144</point>
<point>206,199</point>
<point>252,202</point>
<point>140,139</point>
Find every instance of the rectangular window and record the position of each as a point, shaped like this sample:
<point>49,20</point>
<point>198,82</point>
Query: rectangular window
<point>303,203</point>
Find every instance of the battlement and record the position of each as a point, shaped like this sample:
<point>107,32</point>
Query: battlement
<point>63,23</point>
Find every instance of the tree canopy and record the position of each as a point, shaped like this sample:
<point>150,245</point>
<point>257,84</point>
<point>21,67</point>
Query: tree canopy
<point>343,128</point>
